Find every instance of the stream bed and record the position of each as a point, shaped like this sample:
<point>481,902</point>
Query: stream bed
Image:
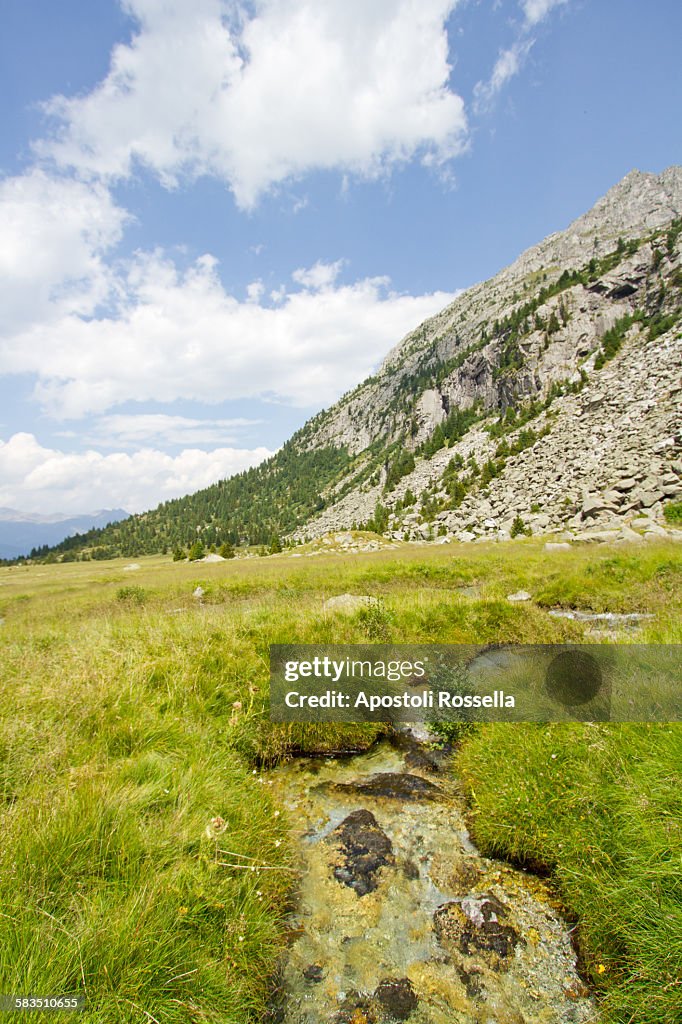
<point>399,917</point>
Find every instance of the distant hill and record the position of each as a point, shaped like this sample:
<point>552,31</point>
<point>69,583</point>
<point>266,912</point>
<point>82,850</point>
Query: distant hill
<point>547,398</point>
<point>20,532</point>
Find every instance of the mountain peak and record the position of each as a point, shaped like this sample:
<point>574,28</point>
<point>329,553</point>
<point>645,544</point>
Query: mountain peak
<point>544,399</point>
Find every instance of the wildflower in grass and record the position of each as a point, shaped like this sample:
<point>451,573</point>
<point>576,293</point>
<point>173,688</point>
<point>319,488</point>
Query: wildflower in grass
<point>216,827</point>
<point>601,968</point>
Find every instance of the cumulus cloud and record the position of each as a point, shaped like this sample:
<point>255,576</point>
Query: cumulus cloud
<point>179,335</point>
<point>206,88</point>
<point>55,234</point>
<point>321,275</point>
<point>35,478</point>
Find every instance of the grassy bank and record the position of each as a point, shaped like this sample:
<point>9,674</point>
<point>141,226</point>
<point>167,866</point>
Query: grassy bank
<point>600,806</point>
<point>133,731</point>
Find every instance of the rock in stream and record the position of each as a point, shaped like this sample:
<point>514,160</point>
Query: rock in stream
<point>363,849</point>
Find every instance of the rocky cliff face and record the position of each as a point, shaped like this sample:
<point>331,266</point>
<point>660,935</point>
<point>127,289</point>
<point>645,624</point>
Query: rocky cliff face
<point>569,363</point>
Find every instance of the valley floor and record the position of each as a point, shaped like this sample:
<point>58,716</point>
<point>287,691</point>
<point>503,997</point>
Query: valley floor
<point>146,860</point>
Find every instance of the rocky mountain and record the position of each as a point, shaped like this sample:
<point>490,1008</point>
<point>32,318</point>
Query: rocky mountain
<point>547,399</point>
<point>571,360</point>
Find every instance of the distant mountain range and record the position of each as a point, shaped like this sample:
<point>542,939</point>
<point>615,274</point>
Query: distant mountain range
<point>21,532</point>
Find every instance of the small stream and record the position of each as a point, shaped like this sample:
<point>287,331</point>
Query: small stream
<point>399,917</point>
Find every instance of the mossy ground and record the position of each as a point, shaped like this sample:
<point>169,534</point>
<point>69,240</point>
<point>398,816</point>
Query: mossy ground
<point>134,735</point>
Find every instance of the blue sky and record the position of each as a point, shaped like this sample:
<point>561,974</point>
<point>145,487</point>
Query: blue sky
<point>217,217</point>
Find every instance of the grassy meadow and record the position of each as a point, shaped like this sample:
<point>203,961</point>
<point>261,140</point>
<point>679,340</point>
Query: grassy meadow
<point>143,859</point>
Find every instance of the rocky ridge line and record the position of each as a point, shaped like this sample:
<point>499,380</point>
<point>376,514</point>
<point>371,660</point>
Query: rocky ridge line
<point>608,454</point>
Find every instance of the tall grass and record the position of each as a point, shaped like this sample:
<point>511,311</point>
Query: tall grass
<point>601,807</point>
<point>142,859</point>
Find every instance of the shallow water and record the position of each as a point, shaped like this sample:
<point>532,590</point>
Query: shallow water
<point>442,935</point>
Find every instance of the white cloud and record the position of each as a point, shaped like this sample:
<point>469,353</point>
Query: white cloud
<point>536,11</point>
<point>35,478</point>
<point>255,291</point>
<point>321,275</point>
<point>511,60</point>
<point>126,430</point>
<point>55,232</point>
<point>204,88</point>
<point>507,65</point>
<point>97,334</point>
<point>177,335</point>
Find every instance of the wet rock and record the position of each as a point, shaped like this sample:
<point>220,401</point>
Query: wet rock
<point>456,873</point>
<point>397,998</point>
<point>356,1009</point>
<point>393,786</point>
<point>422,748</point>
<point>430,760</point>
<point>475,925</point>
<point>364,849</point>
<point>313,973</point>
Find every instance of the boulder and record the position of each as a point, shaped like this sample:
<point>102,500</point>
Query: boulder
<point>629,535</point>
<point>654,530</point>
<point>626,484</point>
<point>645,499</point>
<point>363,850</point>
<point>641,523</point>
<point>349,602</point>
<point>596,536</point>
<point>594,505</point>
